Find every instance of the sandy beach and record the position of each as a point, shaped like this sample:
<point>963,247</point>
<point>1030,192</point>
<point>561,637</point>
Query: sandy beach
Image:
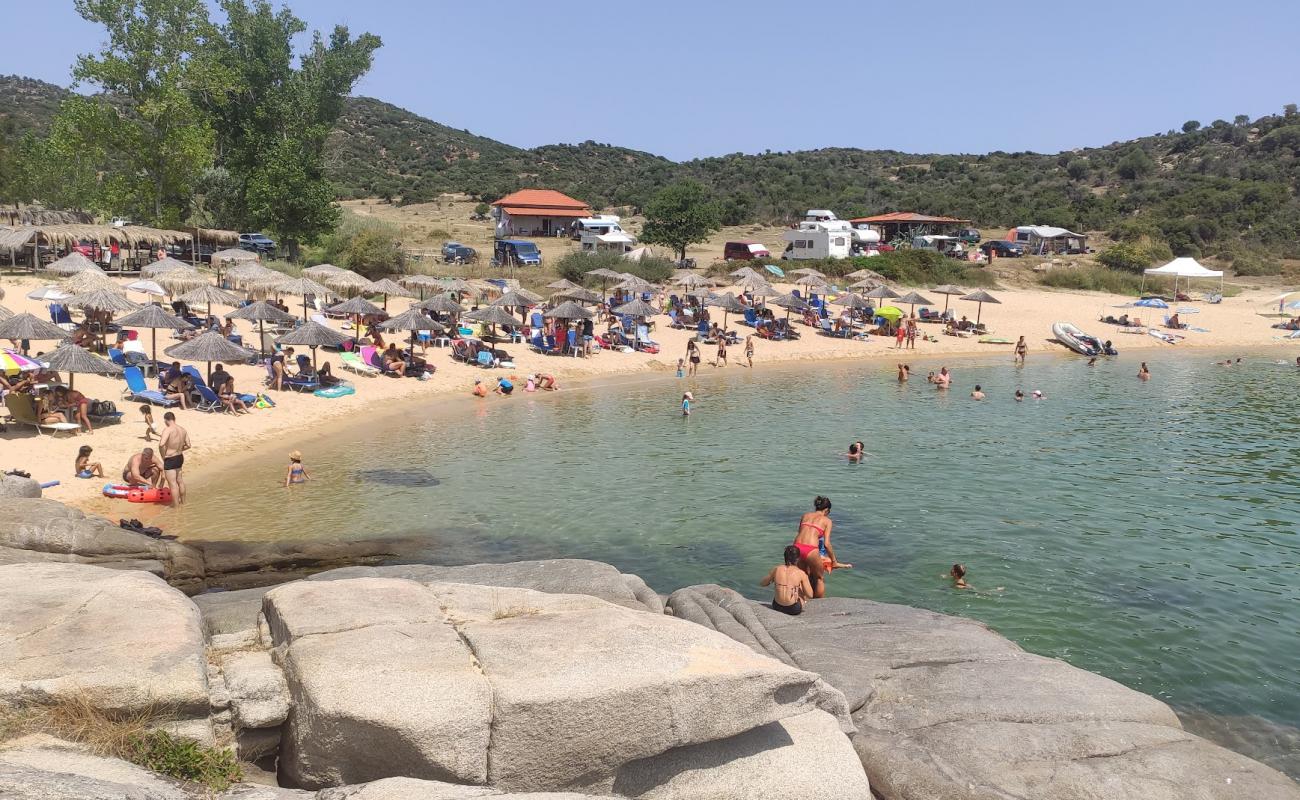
<point>1235,323</point>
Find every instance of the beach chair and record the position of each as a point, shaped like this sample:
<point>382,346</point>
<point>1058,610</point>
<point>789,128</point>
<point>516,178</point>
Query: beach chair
<point>486,359</point>
<point>60,316</point>
<point>539,344</point>
<point>208,399</point>
<point>643,341</point>
<point>353,363</point>
<point>136,389</point>
<point>22,410</point>
<point>751,318</point>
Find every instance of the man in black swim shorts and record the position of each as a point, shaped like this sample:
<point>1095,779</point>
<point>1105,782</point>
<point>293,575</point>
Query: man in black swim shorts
<point>174,442</point>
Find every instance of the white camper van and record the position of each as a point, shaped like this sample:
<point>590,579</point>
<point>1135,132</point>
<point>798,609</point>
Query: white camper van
<point>597,226</point>
<point>820,235</point>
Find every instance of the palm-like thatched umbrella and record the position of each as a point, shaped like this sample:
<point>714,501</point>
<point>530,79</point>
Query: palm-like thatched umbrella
<point>790,303</point>
<point>757,286</point>
<point>863,274</point>
<point>636,308</point>
<point>414,320</point>
<point>882,292</point>
<point>152,316</point>
<point>518,299</point>
<point>298,286</point>
<point>179,281</point>
<point>442,304</point>
<point>345,281</point>
<point>208,347</point>
<point>562,284</point>
<point>163,266</point>
<point>5,314</point>
<point>25,327</point>
<point>813,283</point>
<point>389,288</point>
<point>88,280</point>
<point>72,263</point>
<point>321,271</point>
<point>579,294</point>
<point>691,280</point>
<point>981,297</point>
<point>312,334</point>
<point>457,285</point>
<point>729,305</point>
<point>913,299</point>
<point>569,310</point>
<point>746,272</point>
<point>72,359</point>
<point>250,272</point>
<point>109,300</point>
<point>853,301</point>
<point>947,290</point>
<point>231,257</point>
<point>492,315</point>
<point>209,295</point>
<point>605,275</point>
<point>357,307</point>
<point>808,271</point>
<point>262,312</point>
<point>422,283</point>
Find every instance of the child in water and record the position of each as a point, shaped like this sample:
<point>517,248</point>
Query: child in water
<point>958,575</point>
<point>687,397</point>
<point>681,367</point>
<point>84,468</point>
<point>297,472</point>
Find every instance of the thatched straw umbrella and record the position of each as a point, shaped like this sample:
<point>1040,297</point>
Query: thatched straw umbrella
<point>862,274</point>
<point>605,276</point>
<point>357,308</point>
<point>110,300</point>
<point>757,286</point>
<point>345,281</point>
<point>579,294</point>
<point>808,271</point>
<point>562,284</point>
<point>231,257</point>
<point>691,280</point>
<point>492,315</point>
<point>262,312</point>
<point>882,292</point>
<point>746,272</point>
<point>422,283</point>
<point>179,281</point>
<point>443,304</point>
<point>208,347</point>
<point>25,327</point>
<point>72,359</point>
<point>209,295</point>
<point>5,314</point>
<point>72,263</point>
<point>981,297</point>
<point>913,299</point>
<point>163,266</point>
<point>249,272</point>
<point>853,302</point>
<point>947,290</point>
<point>153,317</point>
<point>88,280</point>
<point>518,299</point>
<point>729,305</point>
<point>569,310</point>
<point>321,271</point>
<point>298,286</point>
<point>389,288</point>
<point>414,320</point>
<point>790,303</point>
<point>313,335</point>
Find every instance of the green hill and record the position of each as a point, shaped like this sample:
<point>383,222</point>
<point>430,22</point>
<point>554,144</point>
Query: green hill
<point>1221,189</point>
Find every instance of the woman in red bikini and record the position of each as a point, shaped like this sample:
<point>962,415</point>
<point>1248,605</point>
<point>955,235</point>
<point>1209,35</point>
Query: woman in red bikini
<point>813,537</point>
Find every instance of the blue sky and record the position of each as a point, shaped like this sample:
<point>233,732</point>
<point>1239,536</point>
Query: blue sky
<point>690,79</point>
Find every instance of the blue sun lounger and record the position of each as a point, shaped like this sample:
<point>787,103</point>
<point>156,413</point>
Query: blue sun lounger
<point>136,389</point>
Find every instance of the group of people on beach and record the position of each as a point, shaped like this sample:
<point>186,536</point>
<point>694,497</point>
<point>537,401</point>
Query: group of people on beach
<point>806,562</point>
<point>145,469</point>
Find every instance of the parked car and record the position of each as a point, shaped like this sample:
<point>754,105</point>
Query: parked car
<point>1003,249</point>
<point>88,248</point>
<point>459,254</point>
<point>744,251</point>
<point>516,251</point>
<point>184,251</point>
<point>968,235</point>
<point>258,243</point>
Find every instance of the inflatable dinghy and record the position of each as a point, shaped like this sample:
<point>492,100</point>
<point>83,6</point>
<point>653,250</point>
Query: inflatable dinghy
<point>1080,342</point>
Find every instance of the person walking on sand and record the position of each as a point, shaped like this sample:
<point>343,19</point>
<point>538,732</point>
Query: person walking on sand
<point>296,473</point>
<point>1144,374</point>
<point>749,350</point>
<point>791,584</point>
<point>1021,349</point>
<point>174,442</point>
<point>722,352</point>
<point>692,357</point>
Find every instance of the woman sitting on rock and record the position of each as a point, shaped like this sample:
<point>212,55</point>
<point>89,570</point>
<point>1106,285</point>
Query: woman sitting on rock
<point>792,586</point>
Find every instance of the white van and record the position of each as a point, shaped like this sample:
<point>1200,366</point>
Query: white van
<point>594,226</point>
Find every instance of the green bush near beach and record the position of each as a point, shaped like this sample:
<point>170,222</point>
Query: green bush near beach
<point>575,266</point>
<point>908,267</point>
<point>1093,279</point>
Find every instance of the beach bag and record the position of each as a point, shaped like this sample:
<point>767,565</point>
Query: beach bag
<point>263,401</point>
<point>103,408</point>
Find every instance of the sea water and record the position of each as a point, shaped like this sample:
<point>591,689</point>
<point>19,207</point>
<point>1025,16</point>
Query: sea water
<point>1148,531</point>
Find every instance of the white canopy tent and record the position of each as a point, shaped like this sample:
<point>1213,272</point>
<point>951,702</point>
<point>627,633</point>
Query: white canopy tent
<point>1184,267</point>
<point>1041,239</point>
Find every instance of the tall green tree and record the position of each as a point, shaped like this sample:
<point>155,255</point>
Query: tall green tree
<point>144,120</point>
<point>273,119</point>
<point>681,214</point>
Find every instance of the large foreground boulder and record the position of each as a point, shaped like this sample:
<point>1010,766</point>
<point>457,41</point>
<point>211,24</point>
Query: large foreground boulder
<point>38,530</point>
<point>947,708</point>
<point>123,641</point>
<point>520,690</point>
<point>556,576</point>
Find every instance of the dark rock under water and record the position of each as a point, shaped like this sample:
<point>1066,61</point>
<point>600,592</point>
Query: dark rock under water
<point>413,478</point>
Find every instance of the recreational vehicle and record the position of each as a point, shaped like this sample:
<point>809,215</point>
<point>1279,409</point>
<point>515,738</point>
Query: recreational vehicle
<point>598,225</point>
<point>820,235</point>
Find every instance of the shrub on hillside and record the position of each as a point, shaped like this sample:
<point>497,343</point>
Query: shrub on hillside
<point>1253,264</point>
<point>1135,256</point>
<point>1093,279</point>
<point>908,267</point>
<point>574,266</point>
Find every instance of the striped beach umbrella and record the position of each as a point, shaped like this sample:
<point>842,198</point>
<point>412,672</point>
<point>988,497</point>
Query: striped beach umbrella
<point>12,362</point>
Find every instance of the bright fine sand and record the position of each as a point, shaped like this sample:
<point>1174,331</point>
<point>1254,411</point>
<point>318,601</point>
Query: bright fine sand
<point>1236,323</point>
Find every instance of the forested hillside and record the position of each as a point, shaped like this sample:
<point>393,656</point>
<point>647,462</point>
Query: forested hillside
<point>1220,189</point>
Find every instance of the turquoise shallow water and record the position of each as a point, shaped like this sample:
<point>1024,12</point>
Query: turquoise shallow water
<point>1146,531</point>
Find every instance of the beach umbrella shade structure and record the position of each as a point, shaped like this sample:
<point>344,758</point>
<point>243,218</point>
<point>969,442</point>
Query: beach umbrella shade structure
<point>813,283</point>
<point>562,284</point>
<point>746,272</point>
<point>421,283</point>
<point>321,271</point>
<point>389,288</point>
<point>12,361</point>
<point>775,270</point>
<point>110,300</point>
<point>442,304</point>
<point>356,308</point>
<point>73,359</point>
<point>88,280</point>
<point>692,280</point>
<point>163,266</point>
<point>72,263</point>
<point>5,314</point>
<point>179,281</point>
<point>209,295</point>
<point>231,257</point>
<point>852,301</point>
<point>248,272</point>
<point>636,308</point>
<point>981,297</point>
<point>312,334</point>
<point>729,305</point>
<point>414,320</point>
<point>492,315</point>
<point>262,312</point>
<point>756,286</point>
<point>808,271</point>
<point>605,275</point>
<point>569,310</point>
<point>299,286</point>
<point>864,274</point>
<point>913,299</point>
<point>947,290</point>
<point>153,317</point>
<point>345,281</point>
<point>145,286</point>
<point>790,303</point>
<point>578,294</point>
<point>517,299</point>
<point>32,328</point>
<point>48,294</point>
<point>882,293</point>
<point>207,347</point>
<point>891,313</point>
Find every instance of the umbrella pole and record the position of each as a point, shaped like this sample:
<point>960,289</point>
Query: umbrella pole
<point>261,337</point>
<point>304,308</point>
<point>979,309</point>
<point>946,298</point>
<point>154,333</point>
<point>313,359</point>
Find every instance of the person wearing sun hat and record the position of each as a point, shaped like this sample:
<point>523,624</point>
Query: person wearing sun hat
<point>687,397</point>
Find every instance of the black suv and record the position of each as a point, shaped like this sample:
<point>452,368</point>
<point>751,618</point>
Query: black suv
<point>1003,248</point>
<point>258,243</point>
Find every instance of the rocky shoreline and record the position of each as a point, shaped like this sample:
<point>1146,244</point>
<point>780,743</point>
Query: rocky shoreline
<point>550,679</point>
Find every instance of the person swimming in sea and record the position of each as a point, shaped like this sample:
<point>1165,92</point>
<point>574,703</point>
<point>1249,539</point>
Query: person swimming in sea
<point>855,452</point>
<point>1020,396</point>
<point>792,586</point>
<point>958,575</point>
<point>813,540</point>
<point>905,372</point>
<point>1144,374</point>
<point>978,394</point>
